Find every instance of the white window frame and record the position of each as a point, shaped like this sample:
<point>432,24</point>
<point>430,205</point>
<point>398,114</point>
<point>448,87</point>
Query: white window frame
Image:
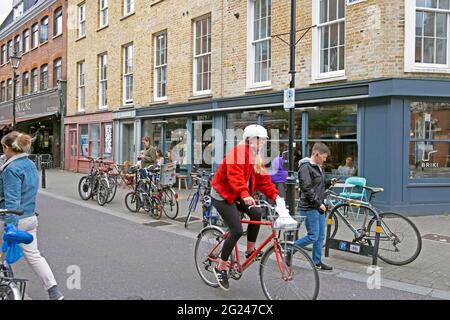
<point>125,6</point>
<point>35,36</point>
<point>43,68</point>
<point>81,86</point>
<point>81,20</point>
<point>43,26</point>
<point>19,49</point>
<point>251,84</point>
<point>4,57</point>
<point>316,74</point>
<point>26,41</point>
<point>410,42</point>
<point>26,75</point>
<point>126,60</point>
<point>201,56</point>
<point>102,81</point>
<point>159,67</point>
<point>34,80</point>
<point>103,12</point>
<point>58,22</point>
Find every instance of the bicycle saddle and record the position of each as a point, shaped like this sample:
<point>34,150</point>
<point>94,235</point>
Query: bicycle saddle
<point>374,190</point>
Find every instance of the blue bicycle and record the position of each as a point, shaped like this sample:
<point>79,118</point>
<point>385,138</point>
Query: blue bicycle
<point>12,288</point>
<point>202,194</point>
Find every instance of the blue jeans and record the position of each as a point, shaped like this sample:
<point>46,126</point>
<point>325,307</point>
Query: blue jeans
<point>315,225</point>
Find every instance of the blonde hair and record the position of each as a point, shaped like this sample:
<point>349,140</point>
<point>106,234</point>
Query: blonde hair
<point>17,142</point>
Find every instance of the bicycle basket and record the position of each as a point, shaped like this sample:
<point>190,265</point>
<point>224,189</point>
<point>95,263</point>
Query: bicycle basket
<point>168,175</point>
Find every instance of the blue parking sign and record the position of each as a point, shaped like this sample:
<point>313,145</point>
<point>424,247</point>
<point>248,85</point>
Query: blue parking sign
<point>343,246</point>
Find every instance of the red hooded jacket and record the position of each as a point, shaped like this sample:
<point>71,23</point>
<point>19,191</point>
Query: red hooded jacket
<point>232,178</point>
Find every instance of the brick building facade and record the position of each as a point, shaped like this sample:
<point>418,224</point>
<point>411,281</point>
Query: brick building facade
<point>37,32</point>
<point>372,82</point>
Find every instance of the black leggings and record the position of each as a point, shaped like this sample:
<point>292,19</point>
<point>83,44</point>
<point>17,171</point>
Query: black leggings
<point>232,217</point>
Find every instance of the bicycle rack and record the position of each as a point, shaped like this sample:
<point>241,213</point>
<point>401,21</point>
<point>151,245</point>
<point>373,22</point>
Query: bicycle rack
<point>353,247</point>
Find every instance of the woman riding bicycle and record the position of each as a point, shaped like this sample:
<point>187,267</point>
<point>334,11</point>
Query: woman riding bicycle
<point>239,175</point>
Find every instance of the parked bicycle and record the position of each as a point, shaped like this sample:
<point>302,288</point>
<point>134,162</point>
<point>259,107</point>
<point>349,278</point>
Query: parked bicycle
<point>400,240</point>
<point>98,183</point>
<point>202,194</point>
<point>11,288</point>
<point>145,195</point>
<point>286,271</point>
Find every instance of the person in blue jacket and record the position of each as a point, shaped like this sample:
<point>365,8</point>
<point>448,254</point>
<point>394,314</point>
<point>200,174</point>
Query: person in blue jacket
<point>19,185</point>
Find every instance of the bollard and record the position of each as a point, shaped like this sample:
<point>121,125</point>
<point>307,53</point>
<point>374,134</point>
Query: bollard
<point>44,182</point>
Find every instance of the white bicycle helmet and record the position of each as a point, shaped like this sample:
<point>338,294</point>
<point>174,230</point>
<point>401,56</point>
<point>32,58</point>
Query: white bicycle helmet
<point>255,131</point>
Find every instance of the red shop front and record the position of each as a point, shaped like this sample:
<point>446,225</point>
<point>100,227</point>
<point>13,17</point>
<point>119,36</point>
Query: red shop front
<point>88,136</point>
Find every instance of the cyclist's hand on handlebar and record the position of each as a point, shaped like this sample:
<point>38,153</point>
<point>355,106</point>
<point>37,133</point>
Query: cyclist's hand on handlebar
<point>323,208</point>
<point>334,181</point>
<point>249,201</point>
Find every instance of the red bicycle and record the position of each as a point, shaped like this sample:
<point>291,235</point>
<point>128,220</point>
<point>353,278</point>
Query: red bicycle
<point>286,271</point>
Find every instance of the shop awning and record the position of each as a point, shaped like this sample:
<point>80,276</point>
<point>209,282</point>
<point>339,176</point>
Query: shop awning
<point>31,107</point>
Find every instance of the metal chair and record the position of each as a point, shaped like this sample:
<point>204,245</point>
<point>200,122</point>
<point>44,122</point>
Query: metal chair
<point>47,160</point>
<point>35,159</point>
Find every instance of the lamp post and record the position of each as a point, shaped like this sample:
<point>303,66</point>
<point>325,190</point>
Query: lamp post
<point>14,61</point>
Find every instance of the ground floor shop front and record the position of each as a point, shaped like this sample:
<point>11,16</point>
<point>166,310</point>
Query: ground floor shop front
<point>38,115</point>
<point>393,132</point>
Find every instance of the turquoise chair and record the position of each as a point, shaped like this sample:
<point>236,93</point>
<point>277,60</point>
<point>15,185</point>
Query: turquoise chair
<point>358,194</point>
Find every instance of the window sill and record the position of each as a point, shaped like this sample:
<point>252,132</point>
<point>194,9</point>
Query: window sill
<point>57,36</point>
<point>32,49</point>
<point>80,38</point>
<point>428,69</point>
<point>201,96</point>
<point>80,112</point>
<point>102,28</point>
<point>318,80</point>
<point>128,15</point>
<point>156,2</point>
<point>43,43</point>
<point>160,102</point>
<point>24,53</point>
<point>260,88</point>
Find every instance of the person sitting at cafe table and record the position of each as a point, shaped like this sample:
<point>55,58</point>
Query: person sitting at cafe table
<point>348,169</point>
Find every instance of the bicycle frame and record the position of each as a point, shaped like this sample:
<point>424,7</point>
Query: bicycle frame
<point>249,261</point>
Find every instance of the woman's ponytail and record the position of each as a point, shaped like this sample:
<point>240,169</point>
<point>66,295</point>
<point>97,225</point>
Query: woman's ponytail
<point>18,142</point>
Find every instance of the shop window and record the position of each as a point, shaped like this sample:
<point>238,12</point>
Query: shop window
<point>94,140</point>
<point>336,126</point>
<point>152,129</point>
<point>84,140</point>
<point>177,140</point>
<point>107,129</point>
<point>429,149</point>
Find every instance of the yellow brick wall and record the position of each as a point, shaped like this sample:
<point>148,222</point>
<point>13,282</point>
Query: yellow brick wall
<point>374,47</point>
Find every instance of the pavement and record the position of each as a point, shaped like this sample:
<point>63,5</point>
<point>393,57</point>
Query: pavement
<point>427,276</point>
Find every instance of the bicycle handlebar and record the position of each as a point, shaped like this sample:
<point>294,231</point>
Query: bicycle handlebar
<point>4,212</point>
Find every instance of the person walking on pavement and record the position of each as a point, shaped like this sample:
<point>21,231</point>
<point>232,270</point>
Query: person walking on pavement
<point>148,158</point>
<point>279,174</point>
<point>19,184</point>
<point>312,196</point>
<point>239,175</point>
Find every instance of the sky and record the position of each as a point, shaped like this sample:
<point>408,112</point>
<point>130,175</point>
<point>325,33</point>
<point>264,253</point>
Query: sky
<point>5,8</point>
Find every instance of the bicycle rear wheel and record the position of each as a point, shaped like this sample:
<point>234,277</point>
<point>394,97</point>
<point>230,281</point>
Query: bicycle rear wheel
<point>207,240</point>
<point>298,278</point>
<point>156,208</point>
<point>400,240</point>
<point>170,203</point>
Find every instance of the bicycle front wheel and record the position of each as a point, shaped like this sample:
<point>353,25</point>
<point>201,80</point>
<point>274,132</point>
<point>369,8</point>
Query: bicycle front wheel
<point>113,183</point>
<point>10,292</point>
<point>102,193</point>
<point>288,273</point>
<point>85,188</point>
<point>400,240</point>
<point>207,247</point>
<point>192,206</point>
<point>170,203</point>
<point>132,202</point>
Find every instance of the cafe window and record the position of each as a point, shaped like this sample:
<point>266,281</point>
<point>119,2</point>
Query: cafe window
<point>203,149</point>
<point>152,128</point>
<point>177,140</point>
<point>84,140</point>
<point>336,126</point>
<point>429,148</point>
